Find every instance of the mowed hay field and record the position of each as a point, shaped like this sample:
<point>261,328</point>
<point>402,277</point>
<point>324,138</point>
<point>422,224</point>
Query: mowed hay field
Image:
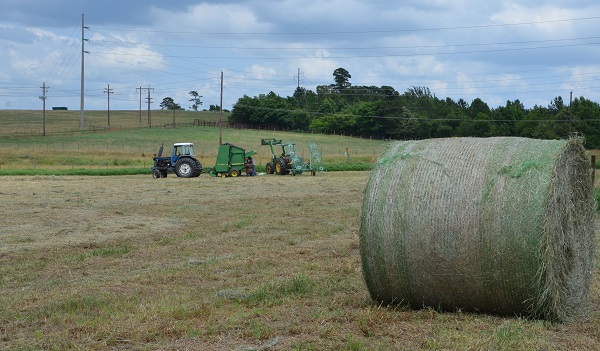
<point>248,263</point>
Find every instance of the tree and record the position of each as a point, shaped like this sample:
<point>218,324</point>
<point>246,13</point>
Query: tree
<point>169,104</point>
<point>195,99</point>
<point>341,77</point>
<point>406,125</point>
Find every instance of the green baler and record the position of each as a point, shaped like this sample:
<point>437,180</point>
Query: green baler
<point>230,161</point>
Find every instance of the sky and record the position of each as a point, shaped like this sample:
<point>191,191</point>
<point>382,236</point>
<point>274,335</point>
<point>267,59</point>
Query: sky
<point>500,51</point>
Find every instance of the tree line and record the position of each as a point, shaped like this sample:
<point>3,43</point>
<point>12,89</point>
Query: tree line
<point>383,112</point>
<point>169,104</point>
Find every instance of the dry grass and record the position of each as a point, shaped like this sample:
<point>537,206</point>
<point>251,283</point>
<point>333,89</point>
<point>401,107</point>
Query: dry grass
<point>261,263</point>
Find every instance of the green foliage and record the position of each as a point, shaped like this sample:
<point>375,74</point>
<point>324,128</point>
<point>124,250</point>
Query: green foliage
<point>351,166</point>
<point>169,104</point>
<point>195,100</point>
<point>416,114</point>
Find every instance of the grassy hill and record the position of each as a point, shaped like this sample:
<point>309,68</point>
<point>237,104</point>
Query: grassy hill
<point>129,149</point>
<point>30,122</point>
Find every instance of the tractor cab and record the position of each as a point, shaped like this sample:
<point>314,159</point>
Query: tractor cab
<point>182,149</point>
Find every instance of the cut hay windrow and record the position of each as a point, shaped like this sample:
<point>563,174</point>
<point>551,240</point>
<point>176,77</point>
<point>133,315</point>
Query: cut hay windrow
<point>499,225</point>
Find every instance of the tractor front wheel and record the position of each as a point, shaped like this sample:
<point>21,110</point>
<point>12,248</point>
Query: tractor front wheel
<point>270,168</point>
<point>156,174</point>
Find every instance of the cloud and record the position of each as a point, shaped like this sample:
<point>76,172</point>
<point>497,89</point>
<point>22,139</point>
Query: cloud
<point>458,48</point>
<point>210,20</point>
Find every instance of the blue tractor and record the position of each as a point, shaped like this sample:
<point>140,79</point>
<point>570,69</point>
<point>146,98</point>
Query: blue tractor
<point>182,161</point>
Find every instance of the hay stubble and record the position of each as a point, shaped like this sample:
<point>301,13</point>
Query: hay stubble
<point>129,262</point>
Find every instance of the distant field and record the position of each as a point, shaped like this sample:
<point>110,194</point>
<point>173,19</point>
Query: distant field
<point>28,122</point>
<point>134,147</point>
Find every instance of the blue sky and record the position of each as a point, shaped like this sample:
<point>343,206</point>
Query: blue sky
<point>505,50</point>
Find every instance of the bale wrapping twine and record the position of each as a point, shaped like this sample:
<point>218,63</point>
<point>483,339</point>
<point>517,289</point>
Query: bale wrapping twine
<point>499,225</point>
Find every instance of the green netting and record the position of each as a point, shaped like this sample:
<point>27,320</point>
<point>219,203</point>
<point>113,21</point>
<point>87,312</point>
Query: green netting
<point>501,225</point>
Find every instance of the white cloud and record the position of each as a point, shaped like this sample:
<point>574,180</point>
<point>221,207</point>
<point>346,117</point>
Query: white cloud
<point>183,45</point>
<point>547,19</point>
<point>211,18</point>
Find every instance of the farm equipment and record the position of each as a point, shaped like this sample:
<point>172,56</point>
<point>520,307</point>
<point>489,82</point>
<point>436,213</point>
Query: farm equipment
<point>289,162</point>
<point>182,161</point>
<point>230,161</point>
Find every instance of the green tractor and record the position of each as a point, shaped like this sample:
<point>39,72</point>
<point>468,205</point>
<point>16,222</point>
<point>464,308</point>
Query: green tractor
<point>288,161</point>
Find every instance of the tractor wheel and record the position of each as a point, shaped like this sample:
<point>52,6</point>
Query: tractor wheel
<point>163,174</point>
<point>234,173</point>
<point>198,170</point>
<point>270,168</point>
<point>184,167</point>
<point>156,174</point>
<point>281,167</point>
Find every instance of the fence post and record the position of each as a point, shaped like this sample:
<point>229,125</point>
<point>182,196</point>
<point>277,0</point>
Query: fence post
<point>593,169</point>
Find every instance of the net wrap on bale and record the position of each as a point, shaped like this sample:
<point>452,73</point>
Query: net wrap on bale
<point>501,225</point>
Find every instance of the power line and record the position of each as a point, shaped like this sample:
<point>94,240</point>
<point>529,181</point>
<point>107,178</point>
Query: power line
<point>411,30</point>
<point>296,48</point>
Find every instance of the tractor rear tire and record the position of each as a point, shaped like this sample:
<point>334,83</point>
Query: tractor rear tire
<point>270,168</point>
<point>184,167</point>
<point>188,167</point>
<point>281,167</point>
<point>197,169</point>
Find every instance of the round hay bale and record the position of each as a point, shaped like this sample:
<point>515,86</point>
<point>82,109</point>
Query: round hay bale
<point>499,225</point>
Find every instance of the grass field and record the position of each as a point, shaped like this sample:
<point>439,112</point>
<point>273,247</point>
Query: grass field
<point>28,123</point>
<point>130,262</point>
<point>133,148</point>
<point>251,263</point>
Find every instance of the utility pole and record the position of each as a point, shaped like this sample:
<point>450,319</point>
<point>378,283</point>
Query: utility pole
<point>140,88</point>
<point>108,91</point>
<point>221,114</point>
<point>570,113</point>
<point>298,76</point>
<point>300,98</point>
<point>149,99</point>
<point>83,52</point>
<point>43,98</point>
